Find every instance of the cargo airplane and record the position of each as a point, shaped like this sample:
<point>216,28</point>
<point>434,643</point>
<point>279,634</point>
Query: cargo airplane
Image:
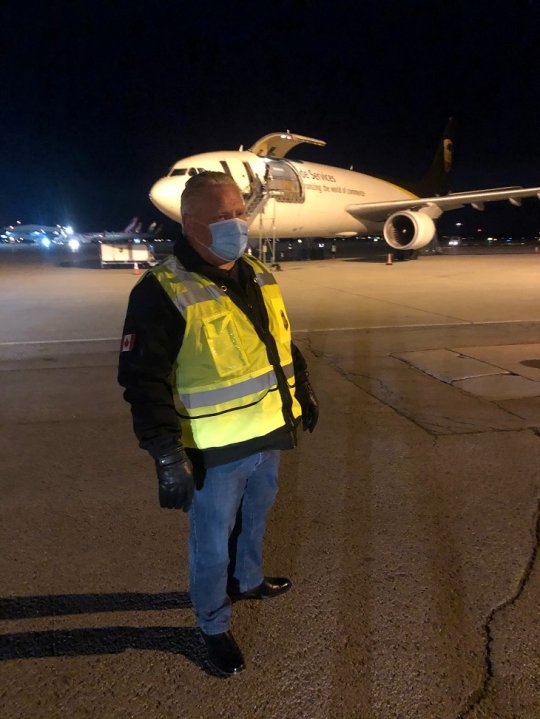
<point>294,198</point>
<point>131,233</point>
<point>40,234</point>
<point>61,235</point>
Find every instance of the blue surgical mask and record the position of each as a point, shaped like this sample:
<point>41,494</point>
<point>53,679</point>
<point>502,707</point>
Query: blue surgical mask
<point>229,238</point>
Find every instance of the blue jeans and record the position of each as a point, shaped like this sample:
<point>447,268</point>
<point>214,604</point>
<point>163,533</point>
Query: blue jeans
<point>229,512</point>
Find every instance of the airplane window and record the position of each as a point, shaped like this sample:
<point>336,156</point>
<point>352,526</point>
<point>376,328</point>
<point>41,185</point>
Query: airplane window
<point>178,171</point>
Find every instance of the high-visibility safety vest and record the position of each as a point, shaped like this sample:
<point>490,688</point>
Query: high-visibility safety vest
<point>229,386</point>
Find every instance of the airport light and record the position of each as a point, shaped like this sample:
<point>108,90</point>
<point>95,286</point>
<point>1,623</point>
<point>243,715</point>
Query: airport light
<point>74,244</point>
<point>69,230</point>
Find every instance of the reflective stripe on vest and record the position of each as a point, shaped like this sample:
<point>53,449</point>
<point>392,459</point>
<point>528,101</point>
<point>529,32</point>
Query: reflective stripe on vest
<point>225,388</point>
<point>218,396</point>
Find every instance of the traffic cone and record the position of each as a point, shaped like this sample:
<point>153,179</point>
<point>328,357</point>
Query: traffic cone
<point>389,259</point>
<point>136,270</point>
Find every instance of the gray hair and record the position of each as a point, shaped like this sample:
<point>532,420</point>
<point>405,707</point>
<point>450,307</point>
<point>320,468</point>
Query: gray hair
<point>197,185</point>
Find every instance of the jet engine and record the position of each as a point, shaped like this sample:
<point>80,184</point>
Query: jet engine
<point>408,230</point>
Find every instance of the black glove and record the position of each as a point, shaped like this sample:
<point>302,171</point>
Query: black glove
<point>175,476</point>
<point>309,404</point>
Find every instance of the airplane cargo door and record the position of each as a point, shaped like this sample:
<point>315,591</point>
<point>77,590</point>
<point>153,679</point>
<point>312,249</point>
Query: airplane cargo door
<point>284,182</point>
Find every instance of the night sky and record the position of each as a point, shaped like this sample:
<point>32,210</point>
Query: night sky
<point>100,99</point>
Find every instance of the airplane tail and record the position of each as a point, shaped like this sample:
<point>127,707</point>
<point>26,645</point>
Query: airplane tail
<point>130,227</point>
<point>437,180</point>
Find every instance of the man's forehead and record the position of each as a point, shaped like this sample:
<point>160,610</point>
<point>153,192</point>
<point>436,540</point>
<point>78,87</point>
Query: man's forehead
<point>223,193</point>
<point>219,198</point>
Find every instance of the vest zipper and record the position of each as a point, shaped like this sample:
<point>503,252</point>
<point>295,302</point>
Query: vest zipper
<point>271,348</point>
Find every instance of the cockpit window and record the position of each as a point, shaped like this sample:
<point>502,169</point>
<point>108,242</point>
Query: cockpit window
<point>183,170</point>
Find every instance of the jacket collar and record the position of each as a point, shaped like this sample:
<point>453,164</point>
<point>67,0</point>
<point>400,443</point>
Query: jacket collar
<point>193,262</point>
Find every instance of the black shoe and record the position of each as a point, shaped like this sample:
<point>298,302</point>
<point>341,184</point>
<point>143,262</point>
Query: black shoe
<point>224,653</point>
<point>270,587</point>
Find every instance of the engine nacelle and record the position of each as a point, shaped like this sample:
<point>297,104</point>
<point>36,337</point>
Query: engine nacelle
<point>408,230</point>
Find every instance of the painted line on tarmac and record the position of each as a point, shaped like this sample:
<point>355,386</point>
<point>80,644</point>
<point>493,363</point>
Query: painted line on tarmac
<point>301,331</point>
<point>387,327</point>
<point>59,342</point>
<point>465,323</point>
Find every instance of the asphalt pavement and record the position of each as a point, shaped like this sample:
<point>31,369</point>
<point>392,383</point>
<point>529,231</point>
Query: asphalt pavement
<point>408,522</point>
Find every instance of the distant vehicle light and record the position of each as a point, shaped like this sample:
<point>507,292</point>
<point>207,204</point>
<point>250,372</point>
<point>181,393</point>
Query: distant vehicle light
<point>74,244</point>
<point>136,241</point>
<point>46,242</point>
<point>69,230</point>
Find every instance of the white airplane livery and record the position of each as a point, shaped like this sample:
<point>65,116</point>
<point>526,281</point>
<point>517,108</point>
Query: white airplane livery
<point>294,198</point>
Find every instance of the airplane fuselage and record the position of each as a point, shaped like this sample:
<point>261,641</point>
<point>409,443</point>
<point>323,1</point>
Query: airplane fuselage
<point>293,198</point>
<point>308,199</point>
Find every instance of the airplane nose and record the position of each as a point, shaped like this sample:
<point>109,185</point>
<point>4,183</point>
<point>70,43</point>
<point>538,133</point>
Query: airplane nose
<point>165,195</point>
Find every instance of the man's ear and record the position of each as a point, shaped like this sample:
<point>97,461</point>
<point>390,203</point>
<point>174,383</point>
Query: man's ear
<point>187,223</point>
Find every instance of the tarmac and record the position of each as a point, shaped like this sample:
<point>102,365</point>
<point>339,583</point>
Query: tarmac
<point>408,522</point>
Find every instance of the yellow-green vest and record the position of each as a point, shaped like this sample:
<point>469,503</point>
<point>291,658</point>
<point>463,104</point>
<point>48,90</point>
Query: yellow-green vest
<point>226,389</point>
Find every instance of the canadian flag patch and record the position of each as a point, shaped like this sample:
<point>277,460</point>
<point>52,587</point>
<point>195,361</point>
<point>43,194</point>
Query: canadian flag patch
<point>128,343</point>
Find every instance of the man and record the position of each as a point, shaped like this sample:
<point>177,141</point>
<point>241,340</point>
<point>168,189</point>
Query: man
<point>216,389</point>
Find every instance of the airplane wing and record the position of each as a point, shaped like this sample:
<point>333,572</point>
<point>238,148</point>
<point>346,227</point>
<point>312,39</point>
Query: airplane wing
<point>435,206</point>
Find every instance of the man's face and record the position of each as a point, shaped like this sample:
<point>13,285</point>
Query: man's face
<point>214,203</point>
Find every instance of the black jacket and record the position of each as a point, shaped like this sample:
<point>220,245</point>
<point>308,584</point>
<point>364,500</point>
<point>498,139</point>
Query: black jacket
<point>157,330</point>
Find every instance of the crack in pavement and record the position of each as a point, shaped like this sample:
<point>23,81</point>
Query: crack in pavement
<point>388,396</point>
<point>479,694</point>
